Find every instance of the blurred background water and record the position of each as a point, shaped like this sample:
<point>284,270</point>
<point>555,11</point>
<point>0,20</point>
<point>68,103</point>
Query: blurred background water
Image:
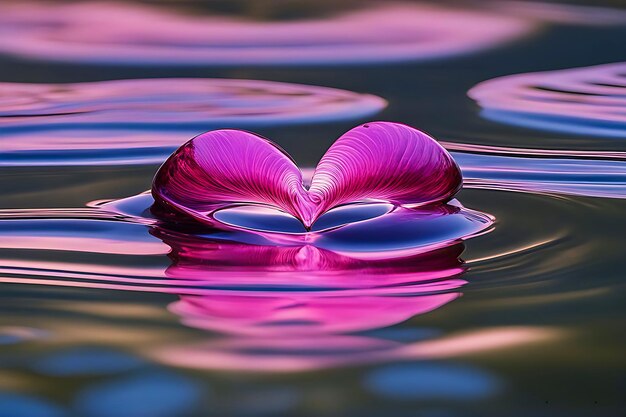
<point>105,315</point>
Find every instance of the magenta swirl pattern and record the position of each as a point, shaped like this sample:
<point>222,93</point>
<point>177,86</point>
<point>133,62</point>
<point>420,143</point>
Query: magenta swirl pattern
<point>375,33</point>
<point>579,101</point>
<point>379,161</point>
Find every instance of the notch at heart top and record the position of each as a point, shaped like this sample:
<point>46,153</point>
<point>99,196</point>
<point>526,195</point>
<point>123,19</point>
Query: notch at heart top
<point>377,160</point>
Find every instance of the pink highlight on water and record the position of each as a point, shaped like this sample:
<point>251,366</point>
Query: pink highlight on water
<point>333,293</point>
<point>332,351</point>
<point>253,294</point>
<point>581,101</point>
<point>286,290</point>
<point>320,272</point>
<point>375,161</point>
<point>374,33</point>
<point>542,171</point>
<point>186,103</point>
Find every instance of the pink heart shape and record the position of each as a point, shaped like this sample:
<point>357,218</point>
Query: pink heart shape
<point>375,161</point>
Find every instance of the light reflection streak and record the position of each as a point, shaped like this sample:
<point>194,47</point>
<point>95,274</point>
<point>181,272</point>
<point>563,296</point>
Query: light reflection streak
<point>376,32</point>
<point>279,355</point>
<point>542,171</point>
<point>517,250</point>
<point>188,104</point>
<point>580,101</point>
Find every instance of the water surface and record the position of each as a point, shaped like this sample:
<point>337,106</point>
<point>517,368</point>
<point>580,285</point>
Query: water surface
<point>103,305</point>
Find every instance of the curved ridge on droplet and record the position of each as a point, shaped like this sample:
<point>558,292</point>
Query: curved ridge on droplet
<point>386,161</point>
<point>229,166</point>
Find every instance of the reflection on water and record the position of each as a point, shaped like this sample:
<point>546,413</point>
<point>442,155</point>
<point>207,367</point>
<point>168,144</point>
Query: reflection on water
<point>127,227</point>
<point>11,335</point>
<point>584,173</point>
<point>562,12</point>
<point>269,301</point>
<point>431,381</point>
<point>12,405</point>
<point>581,101</point>
<point>332,351</point>
<point>202,103</point>
<point>282,314</point>
<point>251,293</point>
<point>158,394</point>
<point>373,33</point>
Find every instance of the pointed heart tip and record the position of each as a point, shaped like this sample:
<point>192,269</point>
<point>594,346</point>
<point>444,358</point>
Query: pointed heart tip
<point>307,223</point>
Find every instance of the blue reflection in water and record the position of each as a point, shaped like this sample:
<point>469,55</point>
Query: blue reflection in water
<point>268,219</point>
<point>407,229</point>
<point>86,361</point>
<point>18,405</point>
<point>152,394</point>
<point>575,176</point>
<point>260,218</point>
<point>266,401</point>
<point>572,125</point>
<point>72,157</point>
<point>350,214</point>
<point>404,334</point>
<point>12,335</point>
<point>431,381</point>
<point>9,339</point>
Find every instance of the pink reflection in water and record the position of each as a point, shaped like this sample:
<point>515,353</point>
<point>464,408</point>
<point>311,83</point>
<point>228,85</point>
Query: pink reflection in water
<point>270,308</point>
<point>376,33</point>
<point>269,297</point>
<point>261,296</point>
<point>204,266</point>
<point>584,101</point>
<point>388,248</point>
<point>184,103</point>
<point>297,301</point>
<point>141,121</point>
<point>292,315</point>
<point>280,292</point>
<point>331,351</point>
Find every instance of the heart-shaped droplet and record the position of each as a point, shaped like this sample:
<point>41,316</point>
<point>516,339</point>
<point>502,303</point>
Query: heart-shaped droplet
<point>380,161</point>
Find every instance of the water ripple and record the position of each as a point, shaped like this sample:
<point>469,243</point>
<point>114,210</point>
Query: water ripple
<point>176,102</point>
<point>563,13</point>
<point>583,173</point>
<point>377,33</point>
<point>579,101</point>
<point>248,294</point>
